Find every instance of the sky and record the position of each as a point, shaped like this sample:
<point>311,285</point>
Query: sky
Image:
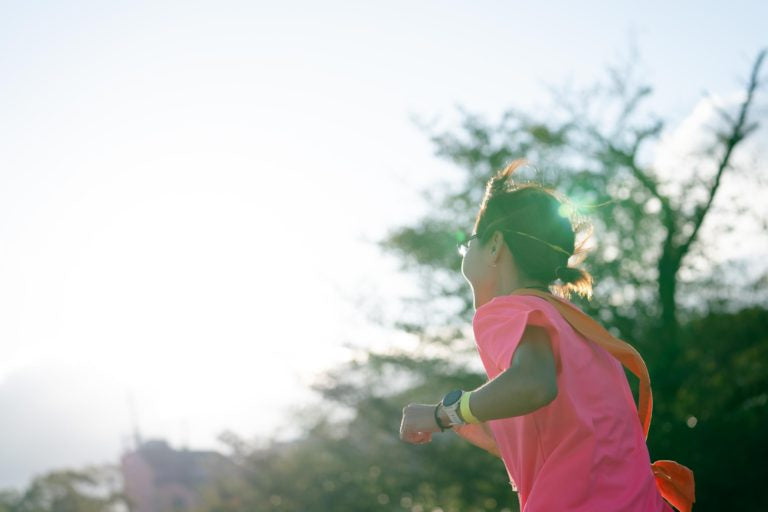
<point>190,192</point>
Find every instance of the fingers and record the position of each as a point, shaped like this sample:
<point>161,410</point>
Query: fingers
<point>424,437</point>
<point>413,436</point>
<point>416,437</point>
<point>413,425</point>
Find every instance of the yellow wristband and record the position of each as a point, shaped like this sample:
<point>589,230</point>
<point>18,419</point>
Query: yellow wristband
<point>466,414</point>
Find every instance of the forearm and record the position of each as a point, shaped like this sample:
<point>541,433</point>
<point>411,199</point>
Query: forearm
<point>513,392</point>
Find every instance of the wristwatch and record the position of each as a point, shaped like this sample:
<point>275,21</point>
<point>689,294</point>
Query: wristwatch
<point>450,404</point>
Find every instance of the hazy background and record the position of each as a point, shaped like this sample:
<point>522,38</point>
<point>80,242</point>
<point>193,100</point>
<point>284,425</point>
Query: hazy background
<point>189,191</point>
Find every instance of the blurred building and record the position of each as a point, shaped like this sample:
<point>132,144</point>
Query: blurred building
<point>158,478</point>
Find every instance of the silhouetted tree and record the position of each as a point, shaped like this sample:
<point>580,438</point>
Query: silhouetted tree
<point>707,366</point>
<point>94,489</point>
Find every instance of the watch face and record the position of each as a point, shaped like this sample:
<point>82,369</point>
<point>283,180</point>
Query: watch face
<point>452,397</point>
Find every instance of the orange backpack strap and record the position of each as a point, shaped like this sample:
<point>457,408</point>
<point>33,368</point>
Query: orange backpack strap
<point>674,481</point>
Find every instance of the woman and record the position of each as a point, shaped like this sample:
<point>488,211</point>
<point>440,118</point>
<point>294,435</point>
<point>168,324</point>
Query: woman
<point>557,407</point>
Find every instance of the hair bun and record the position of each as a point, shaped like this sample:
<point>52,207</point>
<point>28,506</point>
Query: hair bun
<point>568,274</point>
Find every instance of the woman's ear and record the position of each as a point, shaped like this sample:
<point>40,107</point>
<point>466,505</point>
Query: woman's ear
<point>497,243</point>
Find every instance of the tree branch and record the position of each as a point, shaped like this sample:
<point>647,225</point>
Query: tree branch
<point>627,159</point>
<point>739,131</point>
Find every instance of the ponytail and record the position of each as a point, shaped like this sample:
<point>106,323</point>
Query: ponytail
<point>537,232</point>
<point>576,280</point>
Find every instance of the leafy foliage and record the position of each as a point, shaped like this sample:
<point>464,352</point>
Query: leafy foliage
<point>708,372</point>
<point>92,489</point>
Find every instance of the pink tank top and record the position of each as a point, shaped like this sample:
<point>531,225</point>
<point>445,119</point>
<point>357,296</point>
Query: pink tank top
<point>585,450</point>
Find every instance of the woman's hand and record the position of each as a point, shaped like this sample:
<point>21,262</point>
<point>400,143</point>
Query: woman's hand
<point>418,423</point>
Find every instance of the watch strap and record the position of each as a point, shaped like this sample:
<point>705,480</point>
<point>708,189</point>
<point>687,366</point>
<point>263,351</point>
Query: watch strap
<point>464,409</point>
<point>437,419</point>
<point>453,414</point>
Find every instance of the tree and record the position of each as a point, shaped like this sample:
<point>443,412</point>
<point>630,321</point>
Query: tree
<point>591,150</point>
<point>719,415</point>
<point>92,489</point>
<point>649,234</point>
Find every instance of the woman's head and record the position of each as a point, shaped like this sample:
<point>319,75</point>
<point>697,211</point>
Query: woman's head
<point>523,238</point>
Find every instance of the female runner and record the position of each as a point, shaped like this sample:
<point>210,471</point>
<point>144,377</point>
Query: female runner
<point>557,407</point>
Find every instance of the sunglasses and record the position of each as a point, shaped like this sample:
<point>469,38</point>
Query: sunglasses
<point>462,242</point>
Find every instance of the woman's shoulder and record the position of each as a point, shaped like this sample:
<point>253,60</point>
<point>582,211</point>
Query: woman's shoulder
<point>524,307</point>
<point>517,301</point>
<point>499,326</point>
<point>513,309</point>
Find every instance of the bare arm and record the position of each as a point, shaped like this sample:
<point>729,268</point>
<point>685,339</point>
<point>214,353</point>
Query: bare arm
<point>480,435</point>
<point>528,384</point>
